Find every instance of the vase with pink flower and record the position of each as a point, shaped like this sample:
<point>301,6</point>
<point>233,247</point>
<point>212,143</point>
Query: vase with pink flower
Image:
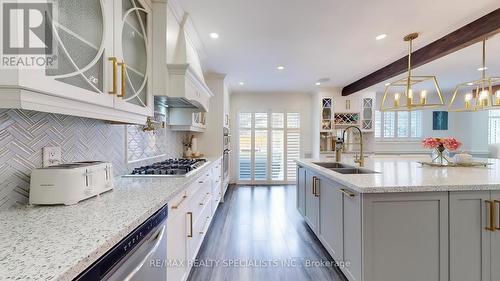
<point>441,148</point>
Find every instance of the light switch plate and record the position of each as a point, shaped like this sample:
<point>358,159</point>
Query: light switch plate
<point>51,156</point>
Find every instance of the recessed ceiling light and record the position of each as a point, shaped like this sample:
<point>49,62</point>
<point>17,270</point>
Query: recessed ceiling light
<point>318,83</point>
<point>280,67</point>
<point>470,84</point>
<point>482,68</point>
<point>214,35</point>
<point>241,83</point>
<point>381,36</point>
<point>387,84</point>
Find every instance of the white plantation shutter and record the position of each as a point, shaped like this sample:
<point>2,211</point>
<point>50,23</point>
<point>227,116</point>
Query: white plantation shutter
<point>269,144</point>
<point>278,146</point>
<point>378,124</point>
<point>245,120</point>
<point>403,124</point>
<point>245,154</point>
<point>389,121</point>
<point>292,154</point>
<point>278,120</point>
<point>293,120</point>
<point>494,126</point>
<point>260,162</point>
<point>278,155</point>
<point>416,124</point>
<point>260,120</point>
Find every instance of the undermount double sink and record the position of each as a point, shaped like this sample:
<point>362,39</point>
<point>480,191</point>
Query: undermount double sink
<point>343,168</point>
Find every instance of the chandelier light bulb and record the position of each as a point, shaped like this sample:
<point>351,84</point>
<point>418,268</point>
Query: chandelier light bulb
<point>468,98</point>
<point>423,97</point>
<point>396,100</point>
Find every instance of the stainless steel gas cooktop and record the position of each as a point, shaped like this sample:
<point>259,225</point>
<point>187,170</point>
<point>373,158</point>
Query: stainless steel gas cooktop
<point>169,168</point>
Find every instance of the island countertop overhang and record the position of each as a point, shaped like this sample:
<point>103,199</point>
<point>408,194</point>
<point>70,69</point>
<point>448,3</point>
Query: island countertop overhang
<point>408,175</point>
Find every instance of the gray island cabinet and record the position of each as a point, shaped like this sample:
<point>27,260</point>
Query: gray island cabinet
<point>443,235</point>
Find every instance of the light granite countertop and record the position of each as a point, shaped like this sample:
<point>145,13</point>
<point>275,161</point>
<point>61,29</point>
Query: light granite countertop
<point>59,242</point>
<point>405,174</point>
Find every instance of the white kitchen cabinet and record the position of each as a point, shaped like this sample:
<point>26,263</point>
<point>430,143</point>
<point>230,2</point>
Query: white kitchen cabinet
<point>474,238</point>
<point>190,215</point>
<point>133,49</point>
<point>347,104</point>
<point>185,119</point>
<point>177,237</point>
<point>331,218</point>
<point>88,36</point>
<point>312,200</point>
<point>301,190</point>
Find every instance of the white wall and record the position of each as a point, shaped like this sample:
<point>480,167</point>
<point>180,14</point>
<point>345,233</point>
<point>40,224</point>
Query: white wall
<point>471,128</point>
<point>252,102</point>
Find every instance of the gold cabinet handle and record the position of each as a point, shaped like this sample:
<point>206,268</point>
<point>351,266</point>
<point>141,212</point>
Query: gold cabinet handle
<point>180,202</point>
<point>314,186</point>
<point>347,193</point>
<point>114,62</point>
<point>497,202</point>
<point>316,191</point>
<point>123,69</point>
<point>190,224</point>
<point>491,204</point>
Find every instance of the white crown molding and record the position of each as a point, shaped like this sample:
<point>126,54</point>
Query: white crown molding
<point>191,33</point>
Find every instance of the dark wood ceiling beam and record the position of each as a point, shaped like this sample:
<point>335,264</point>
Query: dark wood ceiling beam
<point>463,37</point>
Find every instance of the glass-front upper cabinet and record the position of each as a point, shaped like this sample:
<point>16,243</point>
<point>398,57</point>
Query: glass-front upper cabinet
<point>133,20</point>
<point>76,43</point>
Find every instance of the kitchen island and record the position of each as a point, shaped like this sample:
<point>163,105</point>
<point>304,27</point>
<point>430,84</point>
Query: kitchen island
<point>396,220</point>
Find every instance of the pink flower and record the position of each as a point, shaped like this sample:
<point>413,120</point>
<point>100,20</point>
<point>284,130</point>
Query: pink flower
<point>431,143</point>
<point>452,144</point>
<point>448,143</point>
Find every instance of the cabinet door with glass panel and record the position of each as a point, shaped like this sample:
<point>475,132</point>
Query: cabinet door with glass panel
<point>77,43</point>
<point>132,51</point>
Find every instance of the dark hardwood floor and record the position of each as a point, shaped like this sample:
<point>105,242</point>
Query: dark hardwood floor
<point>258,234</point>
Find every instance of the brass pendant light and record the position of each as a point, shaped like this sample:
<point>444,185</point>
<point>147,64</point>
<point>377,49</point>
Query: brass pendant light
<point>395,91</point>
<point>478,94</point>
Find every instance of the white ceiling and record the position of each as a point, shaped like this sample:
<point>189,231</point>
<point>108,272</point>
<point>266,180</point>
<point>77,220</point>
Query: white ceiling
<point>316,39</point>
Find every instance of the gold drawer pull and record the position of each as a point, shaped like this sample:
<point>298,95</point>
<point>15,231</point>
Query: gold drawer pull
<point>346,192</point>
<point>491,204</point>
<point>314,186</point>
<point>316,190</point>
<point>123,69</point>
<point>180,202</point>
<point>498,226</point>
<point>114,62</point>
<point>190,224</point>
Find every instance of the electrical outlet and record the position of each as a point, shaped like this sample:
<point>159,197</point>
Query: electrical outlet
<point>51,156</point>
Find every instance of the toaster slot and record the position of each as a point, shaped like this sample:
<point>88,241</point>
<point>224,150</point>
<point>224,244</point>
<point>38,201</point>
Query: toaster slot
<point>88,178</point>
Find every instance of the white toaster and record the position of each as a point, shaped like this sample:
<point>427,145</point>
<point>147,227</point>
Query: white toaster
<point>70,183</point>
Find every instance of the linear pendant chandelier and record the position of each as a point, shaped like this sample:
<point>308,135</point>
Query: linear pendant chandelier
<point>478,94</point>
<point>399,95</point>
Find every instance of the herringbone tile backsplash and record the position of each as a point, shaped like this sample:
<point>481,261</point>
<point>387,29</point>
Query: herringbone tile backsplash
<point>23,134</point>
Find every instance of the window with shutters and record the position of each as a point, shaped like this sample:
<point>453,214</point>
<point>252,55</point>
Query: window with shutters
<point>269,144</point>
<point>494,126</point>
<point>398,126</point>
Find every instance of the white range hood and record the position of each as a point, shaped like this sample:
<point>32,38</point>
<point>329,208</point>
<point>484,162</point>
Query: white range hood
<point>186,84</point>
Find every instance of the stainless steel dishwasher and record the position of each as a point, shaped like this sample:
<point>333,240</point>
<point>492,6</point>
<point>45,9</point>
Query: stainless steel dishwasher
<point>141,256</point>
